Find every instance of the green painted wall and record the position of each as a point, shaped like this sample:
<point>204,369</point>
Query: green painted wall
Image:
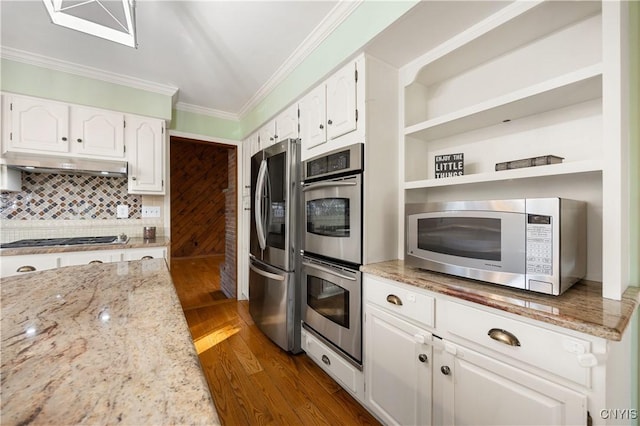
<point>367,21</point>
<point>204,125</point>
<point>37,81</point>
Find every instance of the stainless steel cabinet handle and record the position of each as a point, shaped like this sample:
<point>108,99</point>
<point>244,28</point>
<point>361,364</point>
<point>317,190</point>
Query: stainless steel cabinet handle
<point>321,126</point>
<point>445,370</point>
<point>328,271</point>
<point>423,358</point>
<point>64,138</point>
<point>146,257</point>
<point>395,300</point>
<point>329,184</point>
<point>330,122</point>
<point>95,261</point>
<point>503,336</point>
<point>133,178</point>
<point>26,268</point>
<point>79,140</point>
<point>326,360</point>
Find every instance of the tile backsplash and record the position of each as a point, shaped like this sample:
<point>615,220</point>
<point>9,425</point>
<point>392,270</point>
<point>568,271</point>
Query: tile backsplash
<point>54,205</point>
<point>54,196</point>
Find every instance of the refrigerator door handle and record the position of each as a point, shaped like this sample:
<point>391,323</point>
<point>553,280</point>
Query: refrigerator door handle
<point>266,274</point>
<point>258,214</point>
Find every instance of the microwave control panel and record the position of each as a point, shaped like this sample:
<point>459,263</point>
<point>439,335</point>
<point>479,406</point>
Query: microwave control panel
<point>539,245</point>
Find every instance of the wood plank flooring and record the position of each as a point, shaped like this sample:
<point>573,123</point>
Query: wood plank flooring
<point>253,381</point>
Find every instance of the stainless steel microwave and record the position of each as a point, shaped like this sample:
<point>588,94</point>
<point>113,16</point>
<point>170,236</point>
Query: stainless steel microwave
<point>535,244</point>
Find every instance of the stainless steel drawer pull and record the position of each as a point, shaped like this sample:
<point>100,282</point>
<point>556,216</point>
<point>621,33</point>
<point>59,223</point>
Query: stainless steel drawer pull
<point>445,370</point>
<point>503,336</point>
<point>95,261</point>
<point>423,358</point>
<point>26,268</point>
<point>146,257</point>
<point>326,360</point>
<point>393,299</point>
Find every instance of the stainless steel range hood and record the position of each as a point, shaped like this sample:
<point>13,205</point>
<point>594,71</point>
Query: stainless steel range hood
<point>69,166</point>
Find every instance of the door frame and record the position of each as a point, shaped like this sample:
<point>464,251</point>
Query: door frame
<point>240,232</point>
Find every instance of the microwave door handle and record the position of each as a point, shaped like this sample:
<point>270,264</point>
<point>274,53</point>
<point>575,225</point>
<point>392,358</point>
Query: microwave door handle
<point>328,271</point>
<point>328,184</point>
<point>266,274</point>
<point>258,214</point>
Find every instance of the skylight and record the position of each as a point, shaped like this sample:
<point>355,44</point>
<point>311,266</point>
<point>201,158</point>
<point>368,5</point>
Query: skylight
<point>112,20</point>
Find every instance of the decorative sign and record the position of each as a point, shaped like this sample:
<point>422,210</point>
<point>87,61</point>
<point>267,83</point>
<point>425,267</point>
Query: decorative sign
<point>449,165</point>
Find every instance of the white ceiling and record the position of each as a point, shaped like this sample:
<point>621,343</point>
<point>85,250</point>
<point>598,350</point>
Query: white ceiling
<point>223,56</point>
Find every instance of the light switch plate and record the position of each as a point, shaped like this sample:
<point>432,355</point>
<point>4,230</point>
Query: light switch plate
<point>150,211</point>
<point>122,211</point>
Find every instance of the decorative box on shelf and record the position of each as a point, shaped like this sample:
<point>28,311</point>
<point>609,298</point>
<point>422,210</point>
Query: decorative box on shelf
<point>529,162</point>
<point>449,165</point>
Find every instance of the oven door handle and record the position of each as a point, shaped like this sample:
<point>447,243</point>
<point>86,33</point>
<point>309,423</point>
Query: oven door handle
<point>328,271</point>
<point>258,214</point>
<point>328,184</point>
<point>266,274</point>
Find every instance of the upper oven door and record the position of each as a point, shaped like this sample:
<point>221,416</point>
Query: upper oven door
<point>333,218</point>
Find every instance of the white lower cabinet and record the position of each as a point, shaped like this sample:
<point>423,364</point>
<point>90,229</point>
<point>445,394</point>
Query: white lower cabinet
<point>398,369</point>
<point>18,265</point>
<point>474,389</point>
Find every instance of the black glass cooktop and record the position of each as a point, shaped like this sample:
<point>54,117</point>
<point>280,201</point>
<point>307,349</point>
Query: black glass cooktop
<point>46,242</point>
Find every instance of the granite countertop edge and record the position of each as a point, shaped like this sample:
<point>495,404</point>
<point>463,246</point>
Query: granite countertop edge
<point>581,308</point>
<point>132,243</point>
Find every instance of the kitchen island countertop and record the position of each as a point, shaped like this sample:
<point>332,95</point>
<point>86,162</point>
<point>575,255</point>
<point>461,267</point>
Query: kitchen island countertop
<point>100,344</point>
<point>581,308</point>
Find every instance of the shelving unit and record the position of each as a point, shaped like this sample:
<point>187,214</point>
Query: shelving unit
<point>533,79</point>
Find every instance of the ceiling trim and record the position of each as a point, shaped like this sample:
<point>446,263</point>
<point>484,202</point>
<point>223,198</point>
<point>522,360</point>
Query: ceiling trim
<point>182,106</point>
<point>334,18</point>
<point>84,71</point>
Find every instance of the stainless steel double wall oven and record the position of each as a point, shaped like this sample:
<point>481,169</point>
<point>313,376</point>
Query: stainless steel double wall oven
<point>332,249</point>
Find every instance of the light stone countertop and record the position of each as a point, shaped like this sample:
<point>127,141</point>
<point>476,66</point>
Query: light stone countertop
<point>130,244</point>
<point>581,308</point>
<point>99,344</point>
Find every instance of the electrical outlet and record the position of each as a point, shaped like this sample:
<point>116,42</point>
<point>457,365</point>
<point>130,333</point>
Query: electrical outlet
<point>122,211</point>
<point>150,211</point>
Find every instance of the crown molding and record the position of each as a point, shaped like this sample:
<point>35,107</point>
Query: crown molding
<point>84,71</point>
<point>334,18</point>
<point>182,106</point>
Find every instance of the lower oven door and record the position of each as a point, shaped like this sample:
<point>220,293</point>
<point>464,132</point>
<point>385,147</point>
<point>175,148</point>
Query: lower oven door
<point>333,218</point>
<point>333,304</point>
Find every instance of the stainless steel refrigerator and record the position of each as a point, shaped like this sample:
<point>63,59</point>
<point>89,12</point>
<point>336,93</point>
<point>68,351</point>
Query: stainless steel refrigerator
<point>274,292</point>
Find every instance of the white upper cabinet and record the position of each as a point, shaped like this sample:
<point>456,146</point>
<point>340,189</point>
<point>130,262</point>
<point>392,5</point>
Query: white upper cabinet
<point>35,125</point>
<point>40,126</point>
<point>330,111</point>
<point>146,155</point>
<point>287,124</point>
<point>267,134</point>
<point>313,118</point>
<point>97,132</point>
<point>342,112</point>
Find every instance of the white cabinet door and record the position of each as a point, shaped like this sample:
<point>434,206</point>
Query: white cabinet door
<point>473,389</point>
<point>341,102</point>
<point>146,155</point>
<point>398,369</point>
<point>37,125</point>
<point>267,134</point>
<point>287,124</point>
<point>97,132</point>
<point>313,118</point>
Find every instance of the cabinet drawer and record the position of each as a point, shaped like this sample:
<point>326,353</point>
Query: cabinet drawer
<point>18,265</point>
<point>562,355</point>
<point>89,257</point>
<point>348,376</point>
<point>145,253</point>
<point>401,299</point>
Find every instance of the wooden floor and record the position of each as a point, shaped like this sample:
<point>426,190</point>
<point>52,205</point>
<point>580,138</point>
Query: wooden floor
<point>252,381</point>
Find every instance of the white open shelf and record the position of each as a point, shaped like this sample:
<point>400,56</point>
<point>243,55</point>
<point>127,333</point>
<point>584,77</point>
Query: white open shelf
<point>569,89</point>
<point>585,166</point>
